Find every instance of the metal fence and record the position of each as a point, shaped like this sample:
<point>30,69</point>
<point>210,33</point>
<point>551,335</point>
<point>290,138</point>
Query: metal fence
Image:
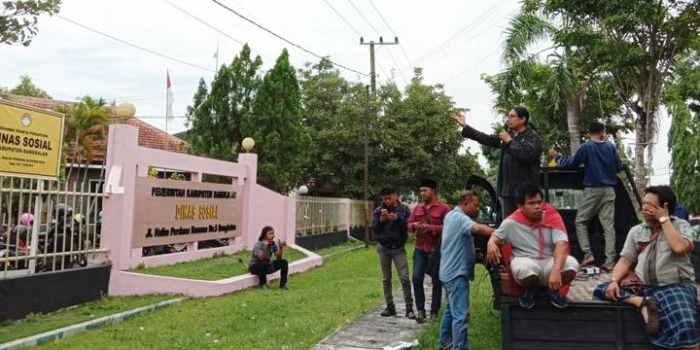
<point>317,215</point>
<point>48,225</point>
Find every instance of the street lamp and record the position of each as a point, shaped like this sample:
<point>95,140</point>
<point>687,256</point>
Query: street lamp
<point>248,143</point>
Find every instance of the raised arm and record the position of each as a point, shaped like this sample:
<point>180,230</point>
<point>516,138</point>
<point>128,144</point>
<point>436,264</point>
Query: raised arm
<point>476,135</point>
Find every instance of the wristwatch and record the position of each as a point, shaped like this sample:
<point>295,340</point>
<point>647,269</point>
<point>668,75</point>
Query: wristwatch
<point>663,219</point>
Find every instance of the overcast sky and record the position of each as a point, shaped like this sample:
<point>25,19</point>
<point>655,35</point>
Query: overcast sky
<point>454,41</point>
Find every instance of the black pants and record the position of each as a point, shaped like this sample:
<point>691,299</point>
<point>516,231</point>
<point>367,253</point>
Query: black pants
<point>263,269</point>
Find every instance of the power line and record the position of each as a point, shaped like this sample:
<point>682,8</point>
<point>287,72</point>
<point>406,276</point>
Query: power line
<point>490,54</point>
<point>213,27</point>
<point>437,49</point>
<point>133,45</point>
<point>405,55</point>
<point>365,18</point>
<point>343,18</point>
<point>285,40</point>
<point>447,52</point>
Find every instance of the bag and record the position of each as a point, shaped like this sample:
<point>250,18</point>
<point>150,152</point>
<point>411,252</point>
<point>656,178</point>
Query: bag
<point>632,283</point>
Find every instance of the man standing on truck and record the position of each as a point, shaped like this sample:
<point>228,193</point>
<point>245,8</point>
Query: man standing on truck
<point>602,163</point>
<point>520,154</point>
<point>426,221</point>
<point>389,225</point>
<point>457,268</point>
<point>540,248</point>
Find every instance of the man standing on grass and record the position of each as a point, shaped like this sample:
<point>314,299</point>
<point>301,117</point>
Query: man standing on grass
<point>457,268</point>
<point>426,221</point>
<point>389,225</point>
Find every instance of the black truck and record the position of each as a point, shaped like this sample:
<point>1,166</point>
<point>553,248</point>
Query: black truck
<point>586,323</point>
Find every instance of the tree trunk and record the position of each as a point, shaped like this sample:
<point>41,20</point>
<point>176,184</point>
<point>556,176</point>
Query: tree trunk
<point>640,170</point>
<point>573,121</point>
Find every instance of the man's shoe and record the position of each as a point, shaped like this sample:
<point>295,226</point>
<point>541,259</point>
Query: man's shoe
<point>410,315</point>
<point>557,300</point>
<point>284,286</point>
<point>389,311</point>
<point>588,260</point>
<point>420,317</point>
<point>264,287</point>
<point>607,267</point>
<point>433,315</point>
<point>527,300</point>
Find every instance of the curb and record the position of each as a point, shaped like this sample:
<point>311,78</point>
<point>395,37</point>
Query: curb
<point>68,331</point>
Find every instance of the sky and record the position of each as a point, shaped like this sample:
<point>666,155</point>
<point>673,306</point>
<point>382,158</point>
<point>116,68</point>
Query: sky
<point>455,42</point>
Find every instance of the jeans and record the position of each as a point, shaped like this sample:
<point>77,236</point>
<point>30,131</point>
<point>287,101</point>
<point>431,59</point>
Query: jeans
<point>455,321</point>
<point>420,262</point>
<point>398,255</point>
<point>598,201</point>
<point>263,269</point>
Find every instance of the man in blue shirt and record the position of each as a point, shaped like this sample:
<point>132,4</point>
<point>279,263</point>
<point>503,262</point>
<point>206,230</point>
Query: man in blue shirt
<point>457,268</point>
<point>602,163</point>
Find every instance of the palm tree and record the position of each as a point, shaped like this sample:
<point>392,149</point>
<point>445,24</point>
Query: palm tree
<point>85,129</point>
<point>567,84</point>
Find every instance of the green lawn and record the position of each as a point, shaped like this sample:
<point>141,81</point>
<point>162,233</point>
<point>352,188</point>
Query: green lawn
<point>214,268</point>
<point>485,322</point>
<point>37,323</point>
<point>319,301</point>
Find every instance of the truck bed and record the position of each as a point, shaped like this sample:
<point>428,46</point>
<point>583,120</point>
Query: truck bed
<point>585,324</point>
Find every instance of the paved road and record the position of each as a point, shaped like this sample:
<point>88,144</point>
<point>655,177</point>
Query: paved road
<point>372,331</point>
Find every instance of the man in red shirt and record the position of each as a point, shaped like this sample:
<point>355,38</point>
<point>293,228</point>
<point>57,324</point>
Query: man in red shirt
<point>426,222</point>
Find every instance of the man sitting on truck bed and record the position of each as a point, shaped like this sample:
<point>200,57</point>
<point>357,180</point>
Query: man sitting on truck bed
<point>540,247</point>
<point>658,251</point>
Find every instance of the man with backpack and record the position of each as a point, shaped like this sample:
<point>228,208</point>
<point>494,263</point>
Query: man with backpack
<point>391,232</point>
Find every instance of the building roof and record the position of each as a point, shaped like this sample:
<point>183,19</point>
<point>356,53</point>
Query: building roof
<point>149,135</point>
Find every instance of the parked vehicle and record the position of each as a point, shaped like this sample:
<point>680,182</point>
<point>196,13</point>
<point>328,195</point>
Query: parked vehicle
<point>585,324</point>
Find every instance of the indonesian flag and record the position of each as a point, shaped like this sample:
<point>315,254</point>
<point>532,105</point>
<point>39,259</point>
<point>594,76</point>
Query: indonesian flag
<point>169,98</point>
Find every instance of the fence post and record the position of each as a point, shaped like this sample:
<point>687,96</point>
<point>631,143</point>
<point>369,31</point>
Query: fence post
<point>118,204</point>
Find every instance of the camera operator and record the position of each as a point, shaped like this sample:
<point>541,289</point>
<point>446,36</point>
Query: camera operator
<point>260,264</point>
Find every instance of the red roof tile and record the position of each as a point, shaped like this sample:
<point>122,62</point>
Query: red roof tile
<point>149,135</point>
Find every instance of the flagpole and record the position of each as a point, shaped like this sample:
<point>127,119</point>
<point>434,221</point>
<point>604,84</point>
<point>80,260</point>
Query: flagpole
<point>167,77</point>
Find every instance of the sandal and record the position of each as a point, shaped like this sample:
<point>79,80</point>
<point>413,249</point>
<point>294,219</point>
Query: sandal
<point>652,322</point>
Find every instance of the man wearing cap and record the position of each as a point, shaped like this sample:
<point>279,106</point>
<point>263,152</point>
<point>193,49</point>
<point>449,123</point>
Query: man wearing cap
<point>602,163</point>
<point>426,222</point>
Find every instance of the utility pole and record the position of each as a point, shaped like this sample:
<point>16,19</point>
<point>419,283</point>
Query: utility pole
<point>373,74</point>
<point>365,183</point>
<point>373,87</point>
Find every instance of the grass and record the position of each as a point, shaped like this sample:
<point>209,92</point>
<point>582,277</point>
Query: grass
<point>214,268</point>
<point>38,323</point>
<point>319,301</point>
<point>484,324</point>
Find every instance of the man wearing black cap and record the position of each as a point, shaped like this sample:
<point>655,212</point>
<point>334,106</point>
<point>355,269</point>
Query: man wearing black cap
<point>602,163</point>
<point>426,222</point>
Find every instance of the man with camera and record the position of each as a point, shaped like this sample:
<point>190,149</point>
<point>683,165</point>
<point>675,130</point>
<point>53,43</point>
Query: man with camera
<point>391,232</point>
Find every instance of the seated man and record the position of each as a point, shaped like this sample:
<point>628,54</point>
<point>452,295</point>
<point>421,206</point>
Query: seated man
<point>658,251</point>
<point>540,247</point>
<point>260,264</point>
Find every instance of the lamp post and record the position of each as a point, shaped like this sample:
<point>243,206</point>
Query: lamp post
<point>248,143</point>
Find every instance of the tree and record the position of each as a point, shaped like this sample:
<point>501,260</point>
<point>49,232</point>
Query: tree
<point>635,43</point>
<point>683,104</point>
<point>27,88</point>
<point>282,140</point>
<point>85,128</point>
<point>324,94</point>
<point>216,117</point>
<point>18,19</point>
<point>416,138</point>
